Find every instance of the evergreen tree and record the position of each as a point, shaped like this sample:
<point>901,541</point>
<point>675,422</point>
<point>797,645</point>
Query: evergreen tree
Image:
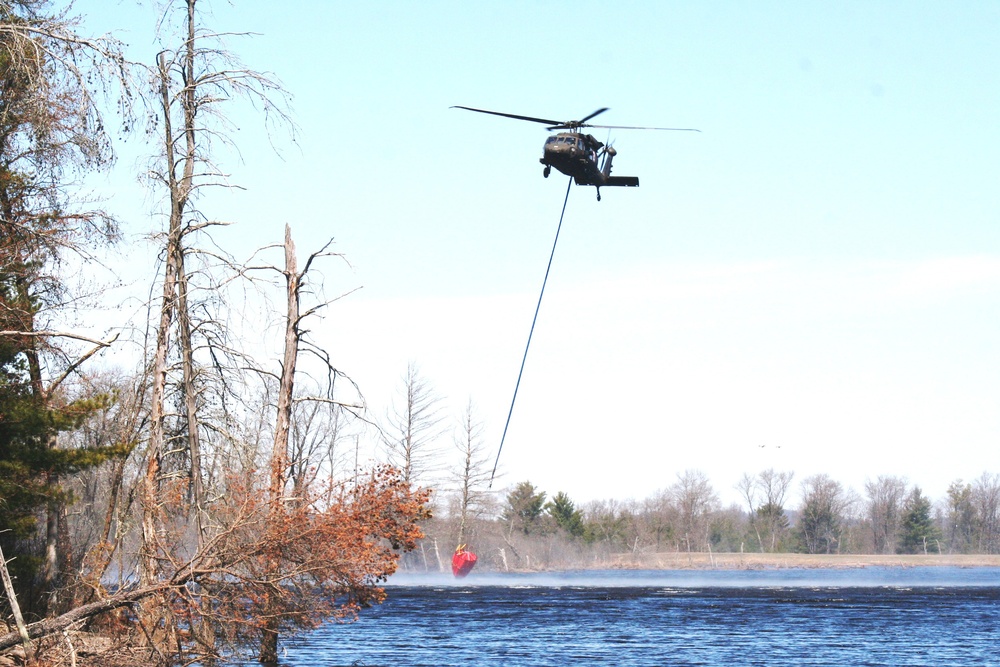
<point>524,507</point>
<point>918,534</point>
<point>565,514</point>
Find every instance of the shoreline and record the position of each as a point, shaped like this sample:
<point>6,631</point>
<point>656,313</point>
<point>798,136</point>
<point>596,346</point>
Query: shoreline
<point>779,561</point>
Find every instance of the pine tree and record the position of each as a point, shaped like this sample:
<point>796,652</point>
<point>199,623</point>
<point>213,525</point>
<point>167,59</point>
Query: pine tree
<point>525,506</point>
<point>918,533</point>
<point>565,514</point>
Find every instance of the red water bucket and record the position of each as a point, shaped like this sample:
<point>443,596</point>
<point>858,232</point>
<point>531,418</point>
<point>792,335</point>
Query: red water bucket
<point>462,563</point>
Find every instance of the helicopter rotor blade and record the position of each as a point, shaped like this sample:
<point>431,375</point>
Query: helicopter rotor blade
<point>596,113</point>
<point>577,124</point>
<point>574,124</point>
<point>633,127</point>
<point>511,115</point>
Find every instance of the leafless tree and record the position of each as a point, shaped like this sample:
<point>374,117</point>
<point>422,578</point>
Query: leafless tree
<point>695,499</point>
<point>192,83</point>
<point>658,519</point>
<point>961,518</point>
<point>764,494</point>
<point>411,435</point>
<point>986,499</point>
<point>316,446</point>
<point>472,477</point>
<point>884,506</point>
<point>609,524</point>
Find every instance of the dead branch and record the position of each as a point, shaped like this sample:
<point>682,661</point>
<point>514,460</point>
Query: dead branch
<point>58,334</point>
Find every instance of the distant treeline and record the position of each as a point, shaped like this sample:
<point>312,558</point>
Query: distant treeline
<point>529,529</point>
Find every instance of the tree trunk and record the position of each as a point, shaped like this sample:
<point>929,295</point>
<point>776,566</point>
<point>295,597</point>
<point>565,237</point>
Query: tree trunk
<point>279,455</point>
<point>8,586</point>
<point>52,625</point>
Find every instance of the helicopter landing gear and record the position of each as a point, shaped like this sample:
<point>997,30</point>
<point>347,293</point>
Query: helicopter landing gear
<point>598,194</point>
<point>547,171</point>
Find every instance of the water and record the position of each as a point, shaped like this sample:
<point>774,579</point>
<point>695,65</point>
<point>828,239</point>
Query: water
<point>875,616</point>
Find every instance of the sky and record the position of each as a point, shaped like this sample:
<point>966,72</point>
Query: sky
<point>811,283</point>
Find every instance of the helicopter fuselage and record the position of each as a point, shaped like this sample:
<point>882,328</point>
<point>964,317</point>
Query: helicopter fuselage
<point>578,155</point>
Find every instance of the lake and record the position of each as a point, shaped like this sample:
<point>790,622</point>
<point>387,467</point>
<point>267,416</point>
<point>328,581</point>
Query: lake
<point>871,616</point>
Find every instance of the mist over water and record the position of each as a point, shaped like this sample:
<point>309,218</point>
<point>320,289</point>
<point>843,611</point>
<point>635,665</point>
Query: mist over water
<point>873,616</point>
<point>785,577</point>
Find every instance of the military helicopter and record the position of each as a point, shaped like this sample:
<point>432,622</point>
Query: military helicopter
<point>579,155</point>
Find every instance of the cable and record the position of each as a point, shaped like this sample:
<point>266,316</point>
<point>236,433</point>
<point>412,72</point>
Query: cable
<point>535,319</point>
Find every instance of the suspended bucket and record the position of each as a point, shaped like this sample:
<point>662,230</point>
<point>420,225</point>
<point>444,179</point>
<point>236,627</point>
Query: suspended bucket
<point>462,562</point>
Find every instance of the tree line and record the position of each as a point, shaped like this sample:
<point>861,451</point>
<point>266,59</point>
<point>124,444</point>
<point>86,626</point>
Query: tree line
<point>525,527</point>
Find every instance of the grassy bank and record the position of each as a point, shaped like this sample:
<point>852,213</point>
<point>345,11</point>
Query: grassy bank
<point>753,561</point>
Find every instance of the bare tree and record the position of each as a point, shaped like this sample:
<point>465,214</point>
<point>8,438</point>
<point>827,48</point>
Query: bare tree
<point>658,519</point>
<point>191,82</point>
<point>695,500</point>
<point>986,499</point>
<point>410,439</point>
<point>472,476</point>
<point>764,494</point>
<point>279,452</point>
<point>885,497</point>
<point>315,445</point>
<point>961,517</point>
<point>608,523</point>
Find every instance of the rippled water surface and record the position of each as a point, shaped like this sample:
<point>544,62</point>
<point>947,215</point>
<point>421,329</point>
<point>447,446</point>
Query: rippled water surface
<point>892,617</point>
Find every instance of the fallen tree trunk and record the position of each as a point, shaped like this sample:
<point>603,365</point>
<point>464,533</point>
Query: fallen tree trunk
<point>8,585</point>
<point>49,626</point>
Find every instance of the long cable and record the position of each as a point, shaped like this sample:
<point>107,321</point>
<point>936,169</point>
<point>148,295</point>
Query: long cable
<point>532,331</point>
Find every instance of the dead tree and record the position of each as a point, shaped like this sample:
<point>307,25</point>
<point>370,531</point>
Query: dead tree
<point>279,452</point>
<point>191,82</point>
<point>413,428</point>
<point>294,340</point>
<point>472,476</point>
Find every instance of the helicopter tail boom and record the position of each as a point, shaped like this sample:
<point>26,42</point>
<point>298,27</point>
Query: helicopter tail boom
<point>621,181</point>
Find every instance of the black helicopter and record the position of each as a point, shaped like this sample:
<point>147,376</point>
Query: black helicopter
<point>580,155</point>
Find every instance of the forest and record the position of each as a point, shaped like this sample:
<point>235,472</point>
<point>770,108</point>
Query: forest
<point>173,491</point>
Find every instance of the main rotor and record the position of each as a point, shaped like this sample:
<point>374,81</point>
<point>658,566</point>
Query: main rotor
<point>574,125</point>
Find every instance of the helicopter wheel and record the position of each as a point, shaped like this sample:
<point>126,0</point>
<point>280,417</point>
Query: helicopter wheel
<point>547,171</point>
<point>598,195</point>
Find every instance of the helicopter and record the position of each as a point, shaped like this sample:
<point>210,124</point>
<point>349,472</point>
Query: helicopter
<point>580,155</point>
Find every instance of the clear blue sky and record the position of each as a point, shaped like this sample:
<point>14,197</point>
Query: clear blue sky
<point>812,283</point>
